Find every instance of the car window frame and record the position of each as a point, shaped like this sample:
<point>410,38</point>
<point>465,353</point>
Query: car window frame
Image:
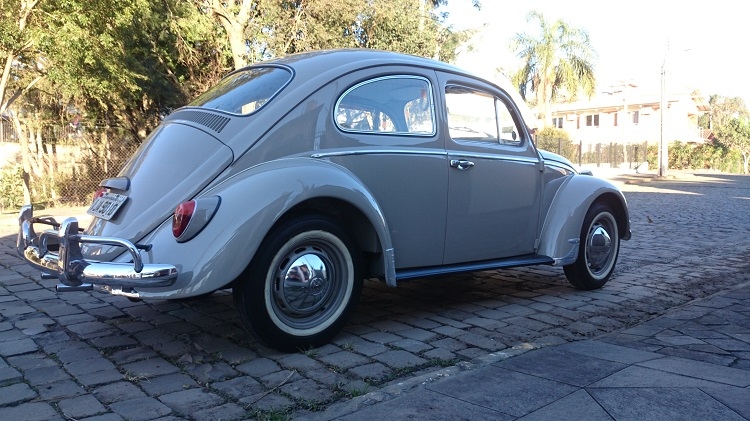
<point>499,97</point>
<point>430,94</point>
<point>290,70</point>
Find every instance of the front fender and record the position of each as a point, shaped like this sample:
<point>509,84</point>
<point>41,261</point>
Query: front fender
<point>561,230</point>
<point>252,201</point>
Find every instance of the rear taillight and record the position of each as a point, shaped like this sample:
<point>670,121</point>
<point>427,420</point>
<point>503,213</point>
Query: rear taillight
<point>191,217</point>
<point>181,218</point>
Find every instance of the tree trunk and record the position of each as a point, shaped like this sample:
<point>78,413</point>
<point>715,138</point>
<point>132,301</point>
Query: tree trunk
<point>23,141</point>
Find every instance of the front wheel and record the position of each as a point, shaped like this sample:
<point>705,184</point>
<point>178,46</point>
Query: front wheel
<point>302,285</point>
<point>598,249</point>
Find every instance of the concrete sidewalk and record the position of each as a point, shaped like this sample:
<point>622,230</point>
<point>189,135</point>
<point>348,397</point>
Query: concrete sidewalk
<point>690,364</point>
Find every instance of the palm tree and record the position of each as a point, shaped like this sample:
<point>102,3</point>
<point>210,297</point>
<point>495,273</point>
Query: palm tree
<point>557,61</point>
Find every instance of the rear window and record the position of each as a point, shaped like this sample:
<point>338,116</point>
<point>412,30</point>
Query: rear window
<point>246,91</point>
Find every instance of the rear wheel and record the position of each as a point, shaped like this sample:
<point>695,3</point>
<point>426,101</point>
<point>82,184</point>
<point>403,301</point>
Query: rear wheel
<point>301,286</point>
<point>598,249</point>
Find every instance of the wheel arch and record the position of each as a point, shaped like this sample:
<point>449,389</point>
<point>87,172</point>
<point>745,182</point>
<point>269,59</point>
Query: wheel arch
<point>561,229</point>
<point>352,220</point>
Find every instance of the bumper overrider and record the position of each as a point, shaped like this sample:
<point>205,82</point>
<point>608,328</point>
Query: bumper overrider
<point>76,273</point>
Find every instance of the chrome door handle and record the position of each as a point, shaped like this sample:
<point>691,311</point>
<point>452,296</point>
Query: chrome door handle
<point>461,164</point>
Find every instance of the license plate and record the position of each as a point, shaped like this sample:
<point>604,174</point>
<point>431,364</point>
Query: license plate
<point>107,205</point>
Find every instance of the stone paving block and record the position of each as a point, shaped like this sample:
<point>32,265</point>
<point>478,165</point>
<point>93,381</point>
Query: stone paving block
<point>17,347</point>
<point>81,406</point>
<point>59,390</point>
<point>483,341</point>
<point>88,366</point>
<point>99,377</point>
<point>113,341</point>
<point>157,386</point>
<point>140,409</point>
<point>16,393</point>
<point>373,371</point>
<point>266,402</point>
<point>381,337</point>
<point>228,411</point>
<point>239,387</point>
<point>700,370</point>
<point>661,404</point>
<point>398,359</point>
<point>517,394</point>
<point>411,345</point>
<point>189,401</point>
<point>259,367</point>
<point>280,378</point>
<point>307,390</point>
<point>609,352</point>
<point>45,375</point>
<point>33,411</point>
<point>211,372</point>
<point>561,366</point>
<point>116,392</point>
<point>574,407</point>
<point>152,367</point>
<point>132,355</point>
<point>300,362</point>
<point>344,360</point>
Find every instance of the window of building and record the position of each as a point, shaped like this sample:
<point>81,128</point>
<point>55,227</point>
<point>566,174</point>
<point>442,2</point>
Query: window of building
<point>592,120</point>
<point>393,104</point>
<point>557,122</point>
<point>635,116</point>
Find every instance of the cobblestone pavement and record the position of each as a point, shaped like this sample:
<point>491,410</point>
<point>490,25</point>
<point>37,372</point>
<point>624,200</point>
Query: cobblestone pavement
<point>91,356</point>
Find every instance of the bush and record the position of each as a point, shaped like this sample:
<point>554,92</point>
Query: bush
<point>11,187</point>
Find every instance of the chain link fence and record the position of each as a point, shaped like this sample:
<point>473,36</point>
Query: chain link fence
<point>66,162</point>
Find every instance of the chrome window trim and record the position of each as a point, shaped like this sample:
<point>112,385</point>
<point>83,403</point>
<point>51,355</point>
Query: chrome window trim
<point>292,75</point>
<point>560,165</point>
<point>378,79</point>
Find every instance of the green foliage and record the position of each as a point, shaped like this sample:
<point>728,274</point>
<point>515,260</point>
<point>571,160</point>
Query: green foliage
<point>557,61</point>
<point>11,190</point>
<point>708,156</point>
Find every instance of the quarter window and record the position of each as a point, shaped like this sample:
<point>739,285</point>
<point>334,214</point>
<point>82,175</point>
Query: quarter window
<point>394,104</point>
<point>479,116</point>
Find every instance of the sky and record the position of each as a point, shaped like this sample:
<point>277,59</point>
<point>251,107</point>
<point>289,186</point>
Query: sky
<point>705,46</point>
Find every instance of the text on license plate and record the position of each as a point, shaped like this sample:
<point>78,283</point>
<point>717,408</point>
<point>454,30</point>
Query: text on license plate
<point>107,205</point>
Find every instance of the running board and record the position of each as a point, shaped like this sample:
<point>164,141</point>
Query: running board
<point>423,272</point>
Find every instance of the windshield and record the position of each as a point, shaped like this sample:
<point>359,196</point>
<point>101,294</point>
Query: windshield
<point>245,91</point>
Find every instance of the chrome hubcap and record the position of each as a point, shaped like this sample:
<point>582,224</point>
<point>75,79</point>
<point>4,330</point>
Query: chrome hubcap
<point>601,248</point>
<point>305,284</point>
<point>310,283</point>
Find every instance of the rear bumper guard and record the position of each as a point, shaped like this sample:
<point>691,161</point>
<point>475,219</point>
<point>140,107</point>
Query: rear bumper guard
<point>71,269</point>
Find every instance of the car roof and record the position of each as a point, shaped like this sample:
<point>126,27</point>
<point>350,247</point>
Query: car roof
<point>316,63</point>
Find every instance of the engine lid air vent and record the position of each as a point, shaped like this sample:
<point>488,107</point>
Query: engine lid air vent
<point>212,121</point>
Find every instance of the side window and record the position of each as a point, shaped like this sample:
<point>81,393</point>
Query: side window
<point>479,116</point>
<point>393,104</point>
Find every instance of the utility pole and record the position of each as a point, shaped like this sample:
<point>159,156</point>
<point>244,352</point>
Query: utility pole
<point>663,155</point>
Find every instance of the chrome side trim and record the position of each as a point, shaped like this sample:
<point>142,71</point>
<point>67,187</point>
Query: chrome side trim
<point>376,152</point>
<point>69,266</point>
<point>495,157</point>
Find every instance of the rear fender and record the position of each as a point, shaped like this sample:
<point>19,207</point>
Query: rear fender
<point>252,201</point>
<point>561,230</point>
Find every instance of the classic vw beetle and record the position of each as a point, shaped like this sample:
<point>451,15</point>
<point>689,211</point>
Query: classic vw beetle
<point>294,179</point>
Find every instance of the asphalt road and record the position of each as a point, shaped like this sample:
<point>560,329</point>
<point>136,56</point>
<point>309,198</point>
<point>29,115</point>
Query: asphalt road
<point>87,355</point>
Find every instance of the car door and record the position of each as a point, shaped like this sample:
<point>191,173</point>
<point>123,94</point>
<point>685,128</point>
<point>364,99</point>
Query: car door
<point>386,135</point>
<point>494,187</point>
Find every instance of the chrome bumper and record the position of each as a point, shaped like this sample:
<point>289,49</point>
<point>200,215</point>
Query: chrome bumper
<point>71,269</point>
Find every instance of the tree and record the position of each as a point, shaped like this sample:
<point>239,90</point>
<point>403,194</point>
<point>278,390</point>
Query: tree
<point>723,109</point>
<point>736,135</point>
<point>558,60</point>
